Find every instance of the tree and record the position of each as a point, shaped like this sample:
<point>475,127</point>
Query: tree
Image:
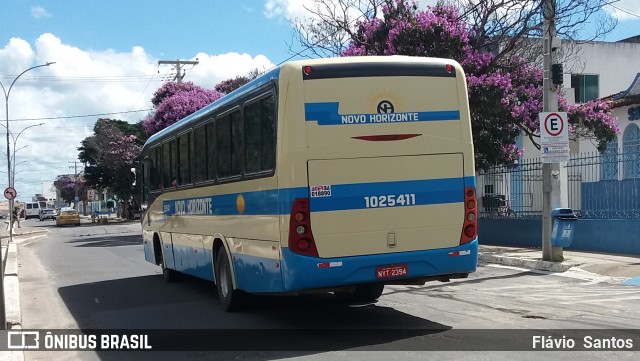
<point>505,90</point>
<point>507,25</point>
<point>174,101</point>
<point>229,85</point>
<point>66,187</point>
<point>109,155</point>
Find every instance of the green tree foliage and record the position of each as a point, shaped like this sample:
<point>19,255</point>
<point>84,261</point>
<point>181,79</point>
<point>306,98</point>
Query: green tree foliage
<point>109,155</point>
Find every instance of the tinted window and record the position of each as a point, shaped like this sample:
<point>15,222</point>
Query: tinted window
<point>154,168</point>
<point>259,130</point>
<point>229,145</point>
<point>167,165</point>
<point>184,153</point>
<point>211,151</point>
<point>586,87</point>
<point>199,155</point>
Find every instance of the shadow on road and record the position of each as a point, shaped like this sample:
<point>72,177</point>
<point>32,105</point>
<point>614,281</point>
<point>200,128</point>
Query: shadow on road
<point>186,316</point>
<point>107,241</point>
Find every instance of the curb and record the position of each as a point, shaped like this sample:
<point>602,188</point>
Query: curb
<point>531,264</point>
<point>12,298</point>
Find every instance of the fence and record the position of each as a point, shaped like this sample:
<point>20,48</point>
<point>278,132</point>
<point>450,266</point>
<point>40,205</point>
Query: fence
<point>599,187</point>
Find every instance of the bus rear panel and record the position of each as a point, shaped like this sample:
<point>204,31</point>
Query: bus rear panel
<point>387,163</point>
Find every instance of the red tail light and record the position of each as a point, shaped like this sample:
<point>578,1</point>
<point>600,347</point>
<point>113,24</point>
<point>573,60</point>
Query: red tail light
<point>300,236</point>
<point>470,226</point>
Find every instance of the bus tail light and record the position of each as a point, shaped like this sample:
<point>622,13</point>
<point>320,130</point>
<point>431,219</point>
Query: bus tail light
<point>470,225</point>
<point>300,236</point>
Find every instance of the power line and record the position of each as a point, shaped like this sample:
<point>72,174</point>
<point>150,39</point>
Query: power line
<point>61,78</point>
<point>144,90</point>
<point>79,116</point>
<point>629,12</point>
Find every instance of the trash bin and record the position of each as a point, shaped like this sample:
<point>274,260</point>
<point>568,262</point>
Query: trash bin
<point>564,224</point>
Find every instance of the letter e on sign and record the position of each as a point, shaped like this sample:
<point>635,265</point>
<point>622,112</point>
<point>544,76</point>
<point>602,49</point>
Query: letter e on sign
<point>554,127</point>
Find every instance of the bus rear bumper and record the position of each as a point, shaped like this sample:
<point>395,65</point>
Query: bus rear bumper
<point>304,273</point>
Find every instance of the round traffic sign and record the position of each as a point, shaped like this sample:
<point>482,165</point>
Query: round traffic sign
<point>10,193</point>
<point>553,124</point>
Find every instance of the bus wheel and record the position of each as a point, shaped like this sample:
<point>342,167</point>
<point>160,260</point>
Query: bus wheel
<point>168,274</point>
<point>230,299</point>
<point>366,292</point>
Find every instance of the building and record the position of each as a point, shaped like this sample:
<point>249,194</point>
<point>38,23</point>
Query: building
<point>602,188</point>
<point>597,70</point>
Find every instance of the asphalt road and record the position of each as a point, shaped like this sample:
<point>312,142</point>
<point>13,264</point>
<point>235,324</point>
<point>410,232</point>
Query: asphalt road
<point>95,277</point>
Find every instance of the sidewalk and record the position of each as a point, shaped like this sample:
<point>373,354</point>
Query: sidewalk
<point>22,231</point>
<point>618,268</point>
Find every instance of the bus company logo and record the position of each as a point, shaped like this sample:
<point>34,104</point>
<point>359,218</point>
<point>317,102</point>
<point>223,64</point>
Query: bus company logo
<point>23,340</point>
<point>240,204</point>
<point>385,107</point>
<point>320,191</point>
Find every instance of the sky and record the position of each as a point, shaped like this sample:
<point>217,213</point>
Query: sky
<point>106,57</point>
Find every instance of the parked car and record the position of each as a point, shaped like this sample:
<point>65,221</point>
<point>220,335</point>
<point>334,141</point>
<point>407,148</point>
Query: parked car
<point>47,213</point>
<point>68,216</point>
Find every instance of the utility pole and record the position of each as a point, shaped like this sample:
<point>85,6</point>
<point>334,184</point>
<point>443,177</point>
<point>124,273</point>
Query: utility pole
<point>554,177</point>
<point>178,63</point>
<point>75,183</point>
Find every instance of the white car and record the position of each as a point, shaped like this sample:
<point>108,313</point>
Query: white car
<point>47,213</point>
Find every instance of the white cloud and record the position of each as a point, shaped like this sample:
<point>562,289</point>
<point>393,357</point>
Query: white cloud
<point>83,82</point>
<point>625,10</point>
<point>297,9</point>
<point>39,12</point>
<point>289,9</point>
<point>212,69</point>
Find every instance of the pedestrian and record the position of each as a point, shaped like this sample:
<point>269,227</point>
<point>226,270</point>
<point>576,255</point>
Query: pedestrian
<point>16,217</point>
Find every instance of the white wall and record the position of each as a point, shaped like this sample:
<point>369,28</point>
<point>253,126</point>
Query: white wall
<point>616,64</point>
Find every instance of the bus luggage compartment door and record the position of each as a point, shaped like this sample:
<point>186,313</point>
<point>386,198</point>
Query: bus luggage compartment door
<point>357,203</point>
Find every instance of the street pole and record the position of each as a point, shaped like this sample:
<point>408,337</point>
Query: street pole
<point>75,184</point>
<point>178,63</point>
<point>553,175</point>
<point>3,316</point>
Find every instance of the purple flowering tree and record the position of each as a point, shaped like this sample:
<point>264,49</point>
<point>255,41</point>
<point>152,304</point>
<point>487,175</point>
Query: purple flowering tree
<point>505,94</point>
<point>229,85</point>
<point>174,101</point>
<point>66,186</point>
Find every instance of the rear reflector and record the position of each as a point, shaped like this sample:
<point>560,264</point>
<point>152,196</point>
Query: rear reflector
<point>469,227</point>
<point>300,236</point>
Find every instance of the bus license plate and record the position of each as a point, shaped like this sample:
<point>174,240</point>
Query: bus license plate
<point>391,271</point>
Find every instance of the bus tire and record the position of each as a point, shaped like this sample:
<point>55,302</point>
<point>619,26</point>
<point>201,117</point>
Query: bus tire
<point>367,292</point>
<point>168,274</point>
<point>229,299</point>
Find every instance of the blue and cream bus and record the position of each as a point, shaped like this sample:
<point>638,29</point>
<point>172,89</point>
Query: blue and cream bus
<point>341,175</point>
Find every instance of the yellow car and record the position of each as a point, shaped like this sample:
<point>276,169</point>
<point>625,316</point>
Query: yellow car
<point>68,216</point>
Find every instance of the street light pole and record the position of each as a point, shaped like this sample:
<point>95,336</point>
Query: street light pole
<point>15,150</point>
<point>3,318</point>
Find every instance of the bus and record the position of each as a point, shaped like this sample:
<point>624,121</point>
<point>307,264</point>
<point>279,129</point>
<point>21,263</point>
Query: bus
<point>340,175</point>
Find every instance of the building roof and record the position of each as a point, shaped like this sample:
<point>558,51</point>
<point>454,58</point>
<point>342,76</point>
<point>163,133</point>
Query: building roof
<point>630,96</point>
<point>633,39</point>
